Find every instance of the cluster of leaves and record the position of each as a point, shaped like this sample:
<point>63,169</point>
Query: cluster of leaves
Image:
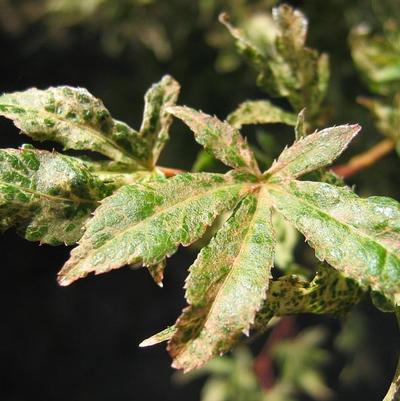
<point>50,196</point>
<point>378,59</point>
<point>122,209</point>
<point>285,66</point>
<point>143,223</point>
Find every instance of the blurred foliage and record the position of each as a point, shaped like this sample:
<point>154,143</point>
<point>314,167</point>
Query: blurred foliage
<point>122,23</point>
<point>298,364</point>
<point>377,56</point>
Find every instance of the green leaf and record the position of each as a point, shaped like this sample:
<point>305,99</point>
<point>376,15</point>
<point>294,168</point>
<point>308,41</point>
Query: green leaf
<point>72,117</point>
<point>359,237</point>
<point>286,240</point>
<point>377,57</point>
<point>160,337</point>
<point>300,127</point>
<point>313,151</point>
<point>226,286</point>
<point>156,121</point>
<point>220,138</point>
<point>329,292</point>
<point>77,120</point>
<point>285,66</point>
<point>142,224</point>
<point>259,112</point>
<point>47,196</point>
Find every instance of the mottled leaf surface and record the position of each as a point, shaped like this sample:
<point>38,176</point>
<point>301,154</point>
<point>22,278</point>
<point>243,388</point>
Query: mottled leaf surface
<point>78,120</point>
<point>220,138</point>
<point>226,286</point>
<point>313,151</point>
<point>377,57</point>
<point>47,196</point>
<point>259,112</point>
<point>142,224</point>
<point>72,117</point>
<point>285,66</point>
<point>156,121</point>
<point>329,292</point>
<point>359,237</point>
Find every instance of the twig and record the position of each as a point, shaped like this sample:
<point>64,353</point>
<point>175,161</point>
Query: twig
<point>169,171</point>
<point>355,165</point>
<point>364,160</point>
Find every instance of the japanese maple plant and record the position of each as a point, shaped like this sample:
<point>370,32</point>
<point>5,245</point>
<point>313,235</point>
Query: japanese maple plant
<point>123,209</point>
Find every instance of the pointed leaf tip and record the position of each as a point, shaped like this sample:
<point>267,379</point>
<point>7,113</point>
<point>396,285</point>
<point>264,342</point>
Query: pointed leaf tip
<point>141,225</point>
<point>160,337</point>
<point>226,286</point>
<point>219,137</point>
<point>313,151</point>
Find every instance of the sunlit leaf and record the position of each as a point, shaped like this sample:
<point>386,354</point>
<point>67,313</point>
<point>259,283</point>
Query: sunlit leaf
<point>72,117</point>
<point>142,224</point>
<point>259,112</point>
<point>313,151</point>
<point>226,286</point>
<point>77,120</point>
<point>328,293</point>
<point>220,138</point>
<point>156,121</point>
<point>46,195</point>
<point>359,237</point>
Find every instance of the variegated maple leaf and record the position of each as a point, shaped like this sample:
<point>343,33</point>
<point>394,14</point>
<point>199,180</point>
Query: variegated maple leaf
<point>228,285</point>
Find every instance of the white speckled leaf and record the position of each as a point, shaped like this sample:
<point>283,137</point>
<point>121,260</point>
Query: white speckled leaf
<point>72,117</point>
<point>142,224</point>
<point>359,237</point>
<point>220,138</point>
<point>226,286</point>
<point>312,152</point>
<point>328,292</point>
<point>47,196</point>
<point>259,112</point>
<point>156,121</point>
<point>77,120</point>
<point>285,66</point>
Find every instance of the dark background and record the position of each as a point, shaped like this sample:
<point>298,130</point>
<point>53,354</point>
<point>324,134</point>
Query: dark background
<point>80,343</point>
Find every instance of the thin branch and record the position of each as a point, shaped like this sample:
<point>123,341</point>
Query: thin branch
<point>169,171</point>
<point>364,160</point>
